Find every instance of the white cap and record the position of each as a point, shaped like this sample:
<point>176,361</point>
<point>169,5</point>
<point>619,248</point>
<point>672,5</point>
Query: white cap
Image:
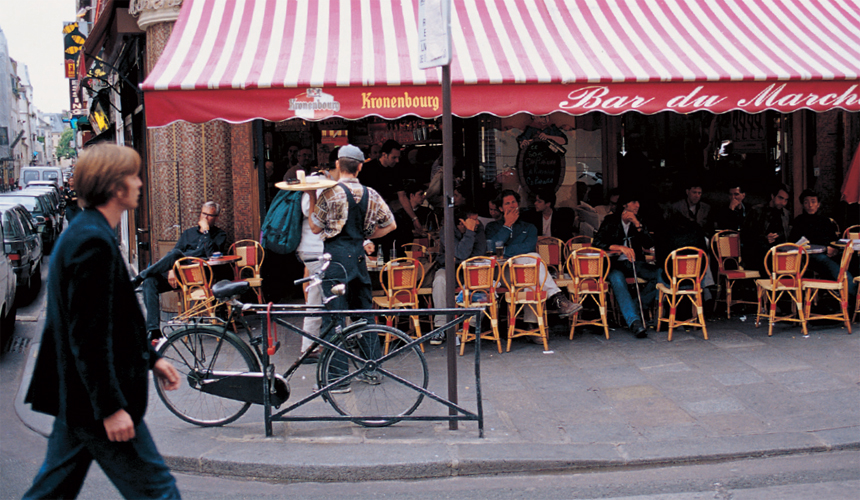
<point>351,152</point>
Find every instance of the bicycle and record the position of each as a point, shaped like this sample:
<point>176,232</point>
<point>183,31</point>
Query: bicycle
<point>223,374</point>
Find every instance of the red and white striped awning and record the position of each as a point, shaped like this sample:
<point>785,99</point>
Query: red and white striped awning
<point>238,60</point>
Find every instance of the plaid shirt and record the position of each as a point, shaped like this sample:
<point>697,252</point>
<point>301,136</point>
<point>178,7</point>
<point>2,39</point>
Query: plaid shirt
<point>332,210</point>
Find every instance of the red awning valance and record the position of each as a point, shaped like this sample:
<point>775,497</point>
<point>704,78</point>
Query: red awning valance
<point>242,60</point>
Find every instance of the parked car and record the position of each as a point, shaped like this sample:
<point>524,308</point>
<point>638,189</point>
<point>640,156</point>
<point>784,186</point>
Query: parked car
<point>8,288</point>
<point>23,245</point>
<point>55,201</point>
<point>38,206</point>
<point>50,187</point>
<point>30,174</point>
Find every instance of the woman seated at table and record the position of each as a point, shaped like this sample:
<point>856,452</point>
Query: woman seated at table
<point>819,230</point>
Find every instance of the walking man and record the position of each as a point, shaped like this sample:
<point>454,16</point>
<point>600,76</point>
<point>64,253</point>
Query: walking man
<point>346,215</point>
<point>92,372</point>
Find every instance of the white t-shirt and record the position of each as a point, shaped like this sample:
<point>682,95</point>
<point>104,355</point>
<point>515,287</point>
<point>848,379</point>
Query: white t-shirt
<point>311,243</point>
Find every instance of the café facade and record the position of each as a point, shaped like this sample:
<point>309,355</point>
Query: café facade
<point>644,92</point>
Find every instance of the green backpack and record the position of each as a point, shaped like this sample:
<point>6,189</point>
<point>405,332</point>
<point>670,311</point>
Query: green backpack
<point>282,227</point>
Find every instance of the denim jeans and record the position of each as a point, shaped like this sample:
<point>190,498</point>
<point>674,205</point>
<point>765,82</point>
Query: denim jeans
<point>134,467</point>
<point>623,269</point>
<point>154,284</point>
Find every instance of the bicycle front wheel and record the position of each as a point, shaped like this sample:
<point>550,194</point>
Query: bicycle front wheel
<point>384,389</point>
<point>196,353</point>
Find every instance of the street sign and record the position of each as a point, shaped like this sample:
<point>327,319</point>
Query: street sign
<point>434,38</point>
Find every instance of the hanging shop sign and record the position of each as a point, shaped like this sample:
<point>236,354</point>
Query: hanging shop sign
<point>73,40</point>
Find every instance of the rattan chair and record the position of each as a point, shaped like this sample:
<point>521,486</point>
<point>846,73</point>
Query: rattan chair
<point>478,278</point>
<point>726,247</point>
<point>251,255</point>
<point>400,279</point>
<point>195,288</point>
<point>685,268</point>
<point>838,289</point>
<point>785,265</point>
<point>521,275</point>
<point>551,251</point>
<point>589,267</point>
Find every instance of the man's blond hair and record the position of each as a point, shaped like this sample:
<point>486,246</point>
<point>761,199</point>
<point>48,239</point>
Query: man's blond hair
<point>101,171</point>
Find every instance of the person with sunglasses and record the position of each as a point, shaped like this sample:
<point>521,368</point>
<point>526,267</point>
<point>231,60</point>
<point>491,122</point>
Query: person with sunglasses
<point>200,241</point>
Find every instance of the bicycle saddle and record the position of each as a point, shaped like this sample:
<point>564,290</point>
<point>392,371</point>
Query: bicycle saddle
<point>225,289</point>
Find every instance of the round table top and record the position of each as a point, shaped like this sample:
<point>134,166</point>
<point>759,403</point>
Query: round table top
<point>224,259</point>
<point>304,186</point>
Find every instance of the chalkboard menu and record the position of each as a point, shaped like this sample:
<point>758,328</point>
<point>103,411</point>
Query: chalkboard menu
<point>540,167</point>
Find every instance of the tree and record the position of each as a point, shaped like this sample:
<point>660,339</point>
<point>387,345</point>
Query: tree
<point>66,149</point>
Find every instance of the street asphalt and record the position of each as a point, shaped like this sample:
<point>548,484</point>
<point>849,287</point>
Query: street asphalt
<point>588,403</point>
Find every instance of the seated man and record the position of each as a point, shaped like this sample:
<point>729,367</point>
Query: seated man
<point>819,230</point>
<point>470,241</point>
<point>406,228</point>
<point>765,226</point>
<point>551,221</point>
<point>732,216</point>
<point>692,207</point>
<point>624,233</point>
<point>519,237</point>
<point>200,241</point>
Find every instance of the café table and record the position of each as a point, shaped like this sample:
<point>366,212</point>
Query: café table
<point>221,273</point>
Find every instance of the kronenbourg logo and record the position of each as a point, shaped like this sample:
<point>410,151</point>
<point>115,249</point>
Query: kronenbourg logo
<point>314,104</point>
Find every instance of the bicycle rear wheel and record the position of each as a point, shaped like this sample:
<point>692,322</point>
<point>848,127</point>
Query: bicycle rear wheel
<point>196,352</point>
<point>374,391</point>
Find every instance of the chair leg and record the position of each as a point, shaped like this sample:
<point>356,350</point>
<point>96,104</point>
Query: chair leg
<point>798,304</point>
<point>701,311</point>
<point>512,320</point>
<point>673,306</point>
<point>540,312</point>
<point>758,294</point>
<point>659,309</point>
<point>602,307</point>
<point>843,302</point>
<point>771,313</point>
<point>728,299</point>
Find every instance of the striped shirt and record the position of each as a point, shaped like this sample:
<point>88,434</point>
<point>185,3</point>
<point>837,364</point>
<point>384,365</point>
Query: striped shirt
<point>332,210</point>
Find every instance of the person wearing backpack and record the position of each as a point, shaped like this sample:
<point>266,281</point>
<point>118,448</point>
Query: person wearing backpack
<point>200,241</point>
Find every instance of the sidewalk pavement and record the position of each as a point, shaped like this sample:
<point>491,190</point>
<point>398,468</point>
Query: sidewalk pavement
<point>588,403</point>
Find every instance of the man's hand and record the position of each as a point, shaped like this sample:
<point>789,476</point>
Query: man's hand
<point>734,204</point>
<point>417,228</point>
<point>630,218</point>
<point>203,222</point>
<point>771,237</point>
<point>166,374</point>
<point>469,223</point>
<point>831,251</point>
<point>525,143</point>
<point>171,279</point>
<point>369,248</point>
<point>511,216</point>
<point>628,252</point>
<point>119,426</point>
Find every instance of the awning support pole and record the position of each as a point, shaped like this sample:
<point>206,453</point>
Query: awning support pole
<point>450,244</point>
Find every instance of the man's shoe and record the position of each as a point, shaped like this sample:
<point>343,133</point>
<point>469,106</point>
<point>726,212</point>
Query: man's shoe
<point>312,358</point>
<point>564,306</point>
<point>438,339</point>
<point>136,282</point>
<point>638,330</point>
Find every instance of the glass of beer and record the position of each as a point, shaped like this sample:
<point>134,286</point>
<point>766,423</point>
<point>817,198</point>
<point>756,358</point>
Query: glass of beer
<point>500,249</point>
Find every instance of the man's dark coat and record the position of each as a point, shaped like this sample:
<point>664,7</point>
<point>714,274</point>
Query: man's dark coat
<point>94,357</point>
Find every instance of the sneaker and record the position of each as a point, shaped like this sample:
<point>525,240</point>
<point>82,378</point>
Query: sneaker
<point>437,339</point>
<point>638,330</point>
<point>564,306</point>
<point>369,378</point>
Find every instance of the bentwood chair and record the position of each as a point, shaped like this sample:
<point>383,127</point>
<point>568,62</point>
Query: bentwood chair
<point>685,268</point>
<point>251,255</point>
<point>726,247</point>
<point>400,279</point>
<point>195,288</point>
<point>589,267</point>
<point>521,275</point>
<point>551,251</point>
<point>838,289</point>
<point>851,233</point>
<point>576,243</point>
<point>784,265</point>
<point>478,278</point>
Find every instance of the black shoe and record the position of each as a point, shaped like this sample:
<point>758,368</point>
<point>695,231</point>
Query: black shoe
<point>312,358</point>
<point>564,306</point>
<point>136,282</point>
<point>638,330</point>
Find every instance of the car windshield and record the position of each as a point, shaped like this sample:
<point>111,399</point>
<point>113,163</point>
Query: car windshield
<point>31,203</point>
<point>30,176</point>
